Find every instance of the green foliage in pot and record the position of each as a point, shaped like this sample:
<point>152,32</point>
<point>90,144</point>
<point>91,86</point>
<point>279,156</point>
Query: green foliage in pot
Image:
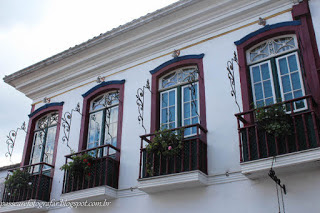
<point>79,166</point>
<point>274,120</point>
<point>18,180</point>
<point>166,143</point>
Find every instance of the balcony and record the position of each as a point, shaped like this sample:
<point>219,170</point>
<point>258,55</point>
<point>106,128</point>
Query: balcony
<point>187,168</point>
<point>298,149</point>
<point>37,185</point>
<point>102,179</point>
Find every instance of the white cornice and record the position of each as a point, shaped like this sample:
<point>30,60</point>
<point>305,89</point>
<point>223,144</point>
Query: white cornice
<point>102,37</point>
<point>192,21</point>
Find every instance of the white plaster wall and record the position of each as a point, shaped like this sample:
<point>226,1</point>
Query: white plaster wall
<point>223,149</point>
<point>3,175</point>
<point>315,13</point>
<point>243,196</point>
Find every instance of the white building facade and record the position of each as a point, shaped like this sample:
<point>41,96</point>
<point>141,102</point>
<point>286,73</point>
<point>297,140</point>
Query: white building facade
<point>183,51</point>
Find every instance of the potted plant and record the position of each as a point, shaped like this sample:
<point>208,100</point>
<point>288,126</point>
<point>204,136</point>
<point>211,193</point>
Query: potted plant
<point>17,181</point>
<point>79,166</point>
<point>274,120</point>
<point>166,143</point>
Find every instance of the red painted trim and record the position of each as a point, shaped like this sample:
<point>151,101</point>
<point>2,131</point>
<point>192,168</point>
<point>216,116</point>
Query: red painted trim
<point>155,100</point>
<point>32,108</point>
<point>85,113</point>
<point>30,133</point>
<point>308,49</point>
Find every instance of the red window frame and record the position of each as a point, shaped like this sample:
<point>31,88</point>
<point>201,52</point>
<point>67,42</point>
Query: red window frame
<point>163,69</point>
<point>34,116</point>
<point>307,46</point>
<point>104,87</point>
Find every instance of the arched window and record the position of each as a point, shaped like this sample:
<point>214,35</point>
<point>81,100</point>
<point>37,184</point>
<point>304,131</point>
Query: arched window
<point>179,99</point>
<point>275,72</point>
<point>102,116</point>
<point>44,138</point>
<point>103,120</point>
<point>178,95</point>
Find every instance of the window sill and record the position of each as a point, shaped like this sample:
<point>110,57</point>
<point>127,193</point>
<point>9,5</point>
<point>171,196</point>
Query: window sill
<point>173,181</point>
<point>91,194</point>
<point>292,162</point>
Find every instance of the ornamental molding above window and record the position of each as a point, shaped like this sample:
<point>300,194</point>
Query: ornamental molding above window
<point>271,48</point>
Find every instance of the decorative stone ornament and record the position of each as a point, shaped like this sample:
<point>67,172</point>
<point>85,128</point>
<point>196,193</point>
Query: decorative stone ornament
<point>100,79</point>
<point>176,53</point>
<point>262,21</point>
<point>46,100</point>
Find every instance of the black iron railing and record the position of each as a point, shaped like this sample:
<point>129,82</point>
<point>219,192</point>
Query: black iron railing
<point>37,187</point>
<point>255,143</point>
<point>193,155</point>
<point>104,169</point>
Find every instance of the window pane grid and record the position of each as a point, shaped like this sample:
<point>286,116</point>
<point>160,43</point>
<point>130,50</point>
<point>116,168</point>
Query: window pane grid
<point>190,108</point>
<point>291,80</point>
<point>262,84</point>
<point>168,108</point>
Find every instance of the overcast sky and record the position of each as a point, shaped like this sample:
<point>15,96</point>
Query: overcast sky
<point>33,30</point>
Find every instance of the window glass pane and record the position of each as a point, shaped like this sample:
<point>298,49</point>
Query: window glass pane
<point>187,131</point>
<point>292,63</point>
<point>172,114</point>
<point>256,74</point>
<point>172,98</point>
<point>260,104</point>
<point>113,115</point>
<point>295,81</point>
<point>194,108</point>
<point>269,101</point>
<point>265,71</point>
<point>111,126</point>
<point>186,94</point>
<point>98,103</point>
<point>164,99</point>
<point>194,93</point>
<point>169,80</point>
<point>164,126</point>
<point>95,124</point>
<point>258,91</point>
<point>267,89</point>
<point>298,94</point>
<point>286,83</point>
<point>187,110</point>
<point>283,66</point>
<point>288,96</point>
<point>194,121</point>
<point>53,119</point>
<point>171,125</point>
<point>299,104</point>
<point>112,98</point>
<point>48,152</point>
<point>164,116</point>
<point>37,147</point>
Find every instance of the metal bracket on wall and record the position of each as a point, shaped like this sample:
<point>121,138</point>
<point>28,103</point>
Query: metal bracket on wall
<point>140,102</point>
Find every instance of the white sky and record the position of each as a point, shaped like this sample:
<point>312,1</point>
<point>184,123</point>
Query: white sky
<point>33,30</point>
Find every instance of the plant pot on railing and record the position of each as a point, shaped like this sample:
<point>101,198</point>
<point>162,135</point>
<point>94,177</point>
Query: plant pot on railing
<point>18,181</point>
<point>165,143</point>
<point>274,120</point>
<point>79,166</point>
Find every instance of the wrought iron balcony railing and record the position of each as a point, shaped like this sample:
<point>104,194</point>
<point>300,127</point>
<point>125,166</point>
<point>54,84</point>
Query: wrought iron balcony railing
<point>255,143</point>
<point>192,156</point>
<point>104,169</point>
<point>35,184</point>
